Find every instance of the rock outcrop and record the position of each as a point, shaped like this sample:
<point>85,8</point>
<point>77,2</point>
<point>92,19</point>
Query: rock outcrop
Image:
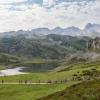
<point>94,44</point>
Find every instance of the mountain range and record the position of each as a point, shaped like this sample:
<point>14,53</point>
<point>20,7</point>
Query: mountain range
<point>91,30</point>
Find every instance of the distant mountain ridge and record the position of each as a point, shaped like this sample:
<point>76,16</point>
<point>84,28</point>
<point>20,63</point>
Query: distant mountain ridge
<point>91,30</point>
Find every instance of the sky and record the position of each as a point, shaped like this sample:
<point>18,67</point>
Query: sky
<point>28,14</point>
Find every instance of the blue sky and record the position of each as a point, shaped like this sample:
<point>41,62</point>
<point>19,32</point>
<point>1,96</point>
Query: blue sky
<point>28,14</point>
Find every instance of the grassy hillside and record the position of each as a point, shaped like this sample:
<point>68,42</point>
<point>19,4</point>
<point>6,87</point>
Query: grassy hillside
<point>83,91</point>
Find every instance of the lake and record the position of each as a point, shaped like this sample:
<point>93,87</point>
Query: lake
<point>12,71</point>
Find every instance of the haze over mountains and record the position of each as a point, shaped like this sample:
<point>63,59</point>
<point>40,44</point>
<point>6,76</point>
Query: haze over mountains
<point>91,30</point>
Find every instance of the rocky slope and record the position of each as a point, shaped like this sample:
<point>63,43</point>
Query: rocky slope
<point>94,44</point>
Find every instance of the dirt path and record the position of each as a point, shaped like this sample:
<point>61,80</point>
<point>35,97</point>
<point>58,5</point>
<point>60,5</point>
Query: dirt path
<point>25,83</point>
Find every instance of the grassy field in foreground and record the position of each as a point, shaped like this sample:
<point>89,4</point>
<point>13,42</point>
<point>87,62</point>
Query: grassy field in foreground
<point>30,92</point>
<point>82,91</point>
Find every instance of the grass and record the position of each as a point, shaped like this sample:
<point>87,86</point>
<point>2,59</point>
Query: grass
<point>78,66</point>
<point>30,92</point>
<point>84,91</point>
<point>2,67</point>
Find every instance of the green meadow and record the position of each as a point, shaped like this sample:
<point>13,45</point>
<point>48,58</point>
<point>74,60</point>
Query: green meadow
<point>30,92</point>
<point>33,92</point>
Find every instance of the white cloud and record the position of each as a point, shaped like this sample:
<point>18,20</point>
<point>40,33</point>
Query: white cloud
<point>48,2</point>
<point>28,16</point>
<point>10,1</point>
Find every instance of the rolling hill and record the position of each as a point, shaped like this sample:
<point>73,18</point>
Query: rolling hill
<point>82,91</point>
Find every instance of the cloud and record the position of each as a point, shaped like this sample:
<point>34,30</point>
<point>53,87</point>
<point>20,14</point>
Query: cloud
<point>48,3</point>
<point>11,1</point>
<point>28,14</point>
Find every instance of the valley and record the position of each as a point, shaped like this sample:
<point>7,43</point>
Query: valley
<point>32,69</point>
<point>58,80</point>
<point>49,49</point>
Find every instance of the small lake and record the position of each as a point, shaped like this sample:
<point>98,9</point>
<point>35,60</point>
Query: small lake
<point>13,71</point>
<point>29,68</point>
